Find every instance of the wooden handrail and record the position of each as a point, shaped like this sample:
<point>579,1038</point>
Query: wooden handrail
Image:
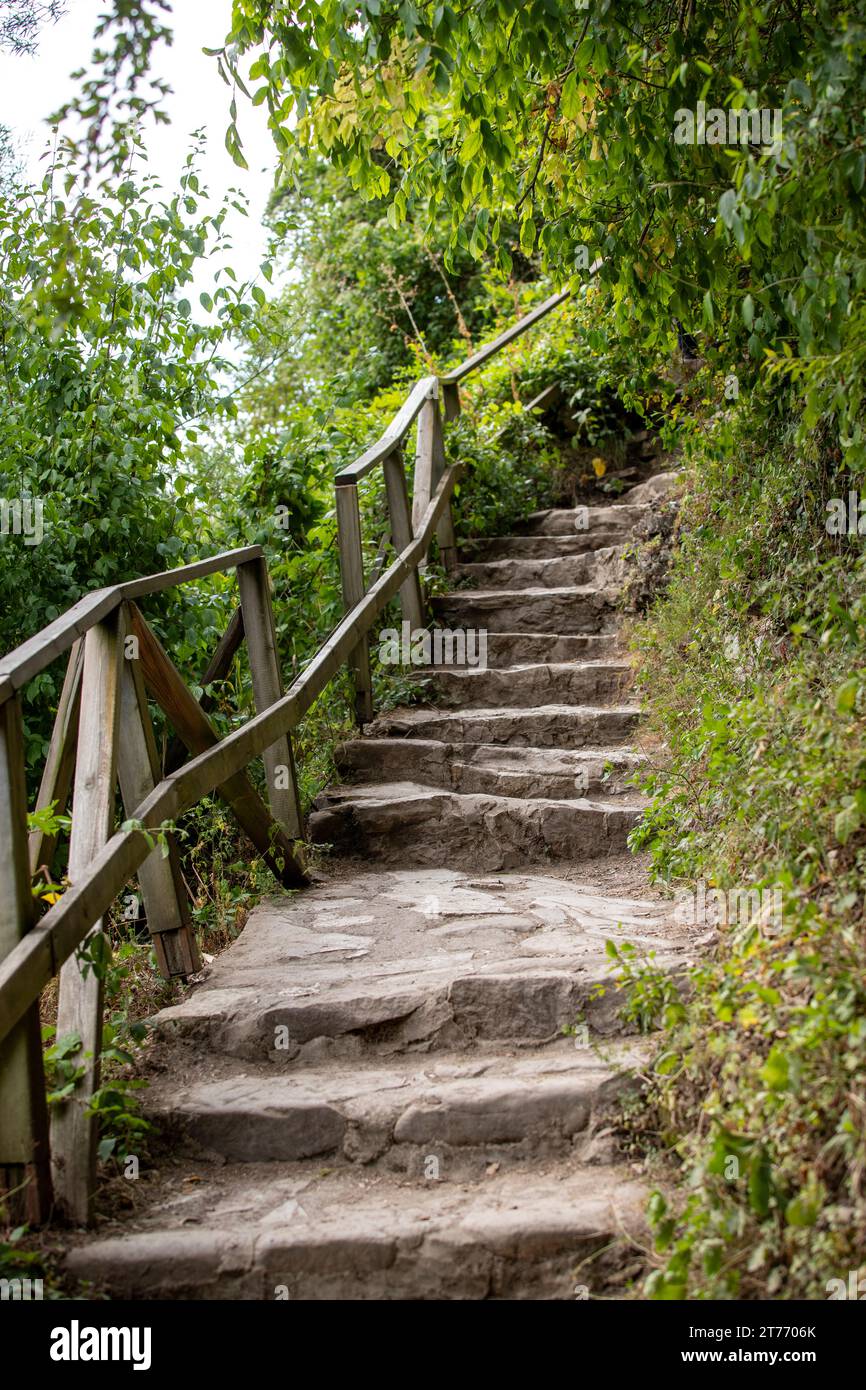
<point>113,691</point>
<point>428,389</point>
<point>30,965</point>
<point>31,657</point>
<point>424,390</point>
<point>27,660</point>
<point>490,350</point>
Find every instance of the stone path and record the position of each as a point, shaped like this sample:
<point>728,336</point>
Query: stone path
<point>395,1084</point>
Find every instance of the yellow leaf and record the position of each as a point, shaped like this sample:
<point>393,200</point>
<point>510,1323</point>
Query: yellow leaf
<point>600,467</point>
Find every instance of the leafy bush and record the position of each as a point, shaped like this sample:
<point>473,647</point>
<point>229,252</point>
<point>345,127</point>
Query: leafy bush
<point>754,668</point>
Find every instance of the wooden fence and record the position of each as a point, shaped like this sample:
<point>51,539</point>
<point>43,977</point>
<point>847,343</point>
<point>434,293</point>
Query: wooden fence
<point>103,736</point>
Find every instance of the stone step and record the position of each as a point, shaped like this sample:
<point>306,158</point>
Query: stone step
<point>546,726</point>
<point>655,488</point>
<point>578,609</point>
<point>518,687</point>
<point>486,549</point>
<point>521,648</point>
<point>492,769</point>
<point>602,567</point>
<point>386,822</point>
<point>509,1106</point>
<point>353,1235</point>
<point>386,962</point>
<point>585,521</point>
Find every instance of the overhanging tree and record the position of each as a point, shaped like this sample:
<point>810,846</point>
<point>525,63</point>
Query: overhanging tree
<point>563,117</point>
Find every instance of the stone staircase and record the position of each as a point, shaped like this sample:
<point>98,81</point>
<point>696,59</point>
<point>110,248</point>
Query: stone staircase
<point>525,761</point>
<point>397,1084</point>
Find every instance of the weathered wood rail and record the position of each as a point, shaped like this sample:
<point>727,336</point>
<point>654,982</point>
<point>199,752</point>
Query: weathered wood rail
<point>103,736</point>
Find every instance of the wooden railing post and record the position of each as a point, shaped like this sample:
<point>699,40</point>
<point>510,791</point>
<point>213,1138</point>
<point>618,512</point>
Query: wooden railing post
<point>429,467</point>
<point>160,877</point>
<point>279,760</point>
<point>445,527</point>
<point>73,1129</point>
<point>352,575</point>
<point>56,781</point>
<point>25,1170</point>
<point>411,597</point>
<point>451,399</point>
<point>422,478</point>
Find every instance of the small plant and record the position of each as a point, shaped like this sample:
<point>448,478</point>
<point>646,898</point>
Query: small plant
<point>63,1068</point>
<point>115,1103</point>
<point>651,992</point>
<point>16,1262</point>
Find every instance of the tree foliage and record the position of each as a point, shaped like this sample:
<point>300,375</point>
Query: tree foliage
<point>106,377</point>
<point>369,298</point>
<point>562,118</point>
<point>22,20</point>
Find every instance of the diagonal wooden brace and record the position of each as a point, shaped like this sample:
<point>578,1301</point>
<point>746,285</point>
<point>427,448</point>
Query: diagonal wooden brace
<point>216,670</point>
<point>160,877</point>
<point>59,767</point>
<point>190,722</point>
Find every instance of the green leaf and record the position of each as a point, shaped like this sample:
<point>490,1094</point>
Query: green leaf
<point>846,823</point>
<point>569,100</point>
<point>667,1062</point>
<point>846,695</point>
<point>728,207</point>
<point>805,1208</point>
<point>775,1072</point>
<point>708,315</point>
<point>760,1182</point>
<point>471,146</point>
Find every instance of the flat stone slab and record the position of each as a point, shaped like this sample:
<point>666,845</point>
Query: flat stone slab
<point>568,610</point>
<point>385,821</point>
<point>601,566</point>
<point>545,726</point>
<point>545,547</point>
<point>350,1237</point>
<point>491,769</point>
<point>658,486</point>
<point>514,648</point>
<point>569,521</point>
<point>531,685</point>
<point>451,959</point>
<point>362,1112</point>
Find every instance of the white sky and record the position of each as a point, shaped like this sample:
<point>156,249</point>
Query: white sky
<point>32,88</point>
